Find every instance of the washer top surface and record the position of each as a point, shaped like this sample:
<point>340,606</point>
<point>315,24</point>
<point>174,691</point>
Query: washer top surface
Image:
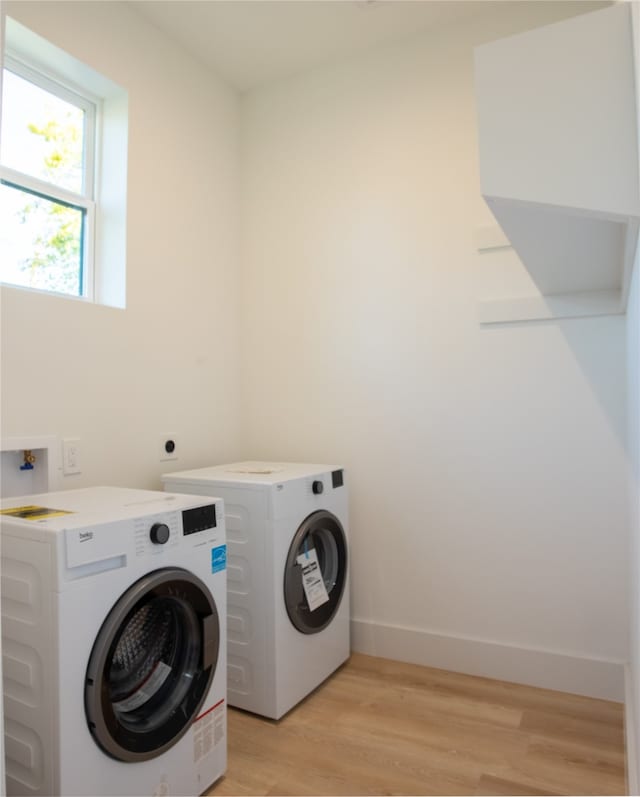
<point>69,509</point>
<point>250,472</point>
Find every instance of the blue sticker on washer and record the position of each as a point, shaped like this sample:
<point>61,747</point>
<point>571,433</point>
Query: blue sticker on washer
<point>218,558</point>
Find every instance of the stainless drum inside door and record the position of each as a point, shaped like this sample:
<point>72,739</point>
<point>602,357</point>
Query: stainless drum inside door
<point>323,532</point>
<point>152,665</point>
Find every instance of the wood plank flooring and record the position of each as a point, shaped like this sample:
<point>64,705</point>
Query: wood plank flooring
<point>379,727</point>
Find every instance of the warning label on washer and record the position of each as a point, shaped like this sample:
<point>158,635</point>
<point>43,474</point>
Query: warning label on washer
<point>208,731</point>
<point>34,512</point>
<point>312,581</point>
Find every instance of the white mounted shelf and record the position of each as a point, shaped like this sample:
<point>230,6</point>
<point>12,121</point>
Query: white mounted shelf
<point>559,162</point>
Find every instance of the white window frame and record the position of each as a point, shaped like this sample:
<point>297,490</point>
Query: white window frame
<point>106,279</point>
<point>84,201</point>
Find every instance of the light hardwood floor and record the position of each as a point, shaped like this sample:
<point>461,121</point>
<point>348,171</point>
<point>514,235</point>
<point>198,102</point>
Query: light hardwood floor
<point>383,727</point>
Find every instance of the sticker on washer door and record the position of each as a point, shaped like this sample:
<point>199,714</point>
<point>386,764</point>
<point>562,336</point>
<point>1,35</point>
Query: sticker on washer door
<point>312,581</point>
<point>218,558</point>
<point>147,690</point>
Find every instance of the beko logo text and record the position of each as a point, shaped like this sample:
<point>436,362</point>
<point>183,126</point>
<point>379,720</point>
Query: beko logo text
<point>85,536</point>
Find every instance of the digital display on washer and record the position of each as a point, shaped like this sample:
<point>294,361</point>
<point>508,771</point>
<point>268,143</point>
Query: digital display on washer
<point>337,478</point>
<point>198,519</point>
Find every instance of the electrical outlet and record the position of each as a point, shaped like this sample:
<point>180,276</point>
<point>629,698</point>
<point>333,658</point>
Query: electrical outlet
<point>71,456</point>
<point>168,448</point>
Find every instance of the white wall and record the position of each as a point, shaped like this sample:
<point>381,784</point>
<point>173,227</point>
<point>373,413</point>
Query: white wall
<point>632,702</point>
<point>120,379</point>
<point>487,465</point>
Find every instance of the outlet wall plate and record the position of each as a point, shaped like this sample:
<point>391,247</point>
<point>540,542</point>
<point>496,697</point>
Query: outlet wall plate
<point>71,456</point>
<point>168,447</point>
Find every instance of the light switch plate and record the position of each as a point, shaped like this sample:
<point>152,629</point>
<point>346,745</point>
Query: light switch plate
<point>71,456</point>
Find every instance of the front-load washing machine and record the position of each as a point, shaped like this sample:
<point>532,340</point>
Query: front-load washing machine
<point>114,642</point>
<point>287,579</point>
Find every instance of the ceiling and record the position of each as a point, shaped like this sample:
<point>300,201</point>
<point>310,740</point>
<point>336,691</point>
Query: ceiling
<point>252,42</point>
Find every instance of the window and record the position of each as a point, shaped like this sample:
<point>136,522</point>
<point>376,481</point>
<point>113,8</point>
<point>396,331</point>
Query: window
<point>62,127</point>
<point>47,207</point>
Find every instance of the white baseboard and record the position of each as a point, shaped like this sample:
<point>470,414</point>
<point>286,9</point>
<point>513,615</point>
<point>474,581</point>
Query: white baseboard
<point>583,676</point>
<point>630,731</point>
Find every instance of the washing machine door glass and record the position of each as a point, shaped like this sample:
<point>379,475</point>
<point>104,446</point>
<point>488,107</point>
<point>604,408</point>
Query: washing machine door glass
<point>321,532</point>
<point>152,665</point>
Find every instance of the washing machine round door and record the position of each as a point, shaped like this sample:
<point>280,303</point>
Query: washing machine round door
<point>323,533</point>
<point>152,665</point>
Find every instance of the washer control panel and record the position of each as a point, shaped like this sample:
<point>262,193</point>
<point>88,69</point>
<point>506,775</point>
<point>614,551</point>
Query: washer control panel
<point>153,534</point>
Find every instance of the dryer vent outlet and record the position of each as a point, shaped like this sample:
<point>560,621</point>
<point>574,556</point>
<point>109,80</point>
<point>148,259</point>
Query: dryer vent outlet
<point>168,448</point>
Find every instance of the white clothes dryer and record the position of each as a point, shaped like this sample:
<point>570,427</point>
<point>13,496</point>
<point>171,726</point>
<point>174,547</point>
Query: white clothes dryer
<point>114,642</point>
<point>286,630</point>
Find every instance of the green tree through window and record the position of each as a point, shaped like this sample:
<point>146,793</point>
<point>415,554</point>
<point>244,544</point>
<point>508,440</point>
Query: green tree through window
<point>43,188</point>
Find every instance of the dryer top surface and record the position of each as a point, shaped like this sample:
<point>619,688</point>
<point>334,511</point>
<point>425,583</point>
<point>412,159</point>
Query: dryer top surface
<point>251,472</point>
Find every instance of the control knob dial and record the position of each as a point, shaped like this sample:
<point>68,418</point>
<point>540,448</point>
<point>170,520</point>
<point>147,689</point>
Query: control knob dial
<point>159,533</point>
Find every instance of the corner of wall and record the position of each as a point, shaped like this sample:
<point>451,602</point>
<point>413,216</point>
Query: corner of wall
<point>632,670</point>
